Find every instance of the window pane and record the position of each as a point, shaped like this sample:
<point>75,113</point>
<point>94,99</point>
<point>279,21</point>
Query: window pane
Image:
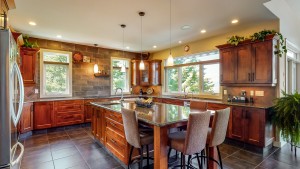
<point>56,57</point>
<point>119,63</point>
<point>56,79</point>
<point>205,56</point>
<point>211,74</point>
<point>119,79</point>
<point>190,79</point>
<point>172,80</point>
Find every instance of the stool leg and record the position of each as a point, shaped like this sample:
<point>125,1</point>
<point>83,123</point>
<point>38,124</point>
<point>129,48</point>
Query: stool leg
<point>202,155</point>
<point>176,155</point>
<point>220,159</point>
<point>129,160</point>
<point>207,159</point>
<point>147,147</point>
<point>169,153</point>
<point>141,157</point>
<point>200,164</point>
<point>181,160</point>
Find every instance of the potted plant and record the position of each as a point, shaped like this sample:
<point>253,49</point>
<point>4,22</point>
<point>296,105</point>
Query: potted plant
<point>287,117</point>
<point>28,44</point>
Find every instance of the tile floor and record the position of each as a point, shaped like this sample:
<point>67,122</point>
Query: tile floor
<point>73,148</point>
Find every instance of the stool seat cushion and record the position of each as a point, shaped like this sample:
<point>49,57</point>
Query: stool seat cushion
<point>177,140</point>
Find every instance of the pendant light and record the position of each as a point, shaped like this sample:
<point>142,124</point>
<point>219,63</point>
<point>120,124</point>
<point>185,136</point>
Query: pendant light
<point>123,67</point>
<point>142,65</point>
<point>170,61</point>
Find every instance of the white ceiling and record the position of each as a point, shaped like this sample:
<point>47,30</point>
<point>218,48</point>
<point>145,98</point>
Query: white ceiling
<point>97,21</point>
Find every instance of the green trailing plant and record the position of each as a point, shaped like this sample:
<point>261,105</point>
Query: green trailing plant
<point>280,49</point>
<point>28,44</point>
<point>235,40</point>
<point>287,117</point>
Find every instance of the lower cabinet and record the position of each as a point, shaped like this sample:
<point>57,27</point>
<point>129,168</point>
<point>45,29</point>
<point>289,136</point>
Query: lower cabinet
<point>173,101</point>
<point>43,115</point>
<point>26,120</point>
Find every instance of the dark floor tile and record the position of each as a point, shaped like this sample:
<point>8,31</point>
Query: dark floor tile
<point>228,149</point>
<point>73,127</point>
<point>249,157</point>
<point>46,165</point>
<point>37,158</point>
<point>286,158</point>
<point>76,132</point>
<point>68,162</point>
<point>36,141</point>
<point>56,129</point>
<point>79,136</point>
<point>36,150</point>
<point>90,146</point>
<point>57,134</point>
<point>105,163</point>
<point>61,145</point>
<point>80,166</point>
<point>94,154</point>
<point>286,149</point>
<point>235,163</point>
<point>81,141</point>
<point>58,139</point>
<point>274,164</point>
<point>64,152</point>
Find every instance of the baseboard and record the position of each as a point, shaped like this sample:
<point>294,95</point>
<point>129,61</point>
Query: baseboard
<point>279,144</point>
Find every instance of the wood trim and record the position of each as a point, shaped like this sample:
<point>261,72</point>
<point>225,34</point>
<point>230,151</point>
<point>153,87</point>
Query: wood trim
<point>195,63</point>
<point>56,63</point>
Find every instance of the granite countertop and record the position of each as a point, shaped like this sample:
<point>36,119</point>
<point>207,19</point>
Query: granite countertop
<point>254,105</point>
<point>159,114</point>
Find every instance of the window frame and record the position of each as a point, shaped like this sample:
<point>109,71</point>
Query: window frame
<point>43,73</point>
<point>200,64</point>
<point>128,76</point>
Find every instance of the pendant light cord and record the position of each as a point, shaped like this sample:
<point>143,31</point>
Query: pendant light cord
<point>170,27</point>
<point>141,37</point>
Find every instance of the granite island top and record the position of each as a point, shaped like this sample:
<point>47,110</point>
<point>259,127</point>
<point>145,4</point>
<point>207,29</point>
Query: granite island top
<point>160,114</point>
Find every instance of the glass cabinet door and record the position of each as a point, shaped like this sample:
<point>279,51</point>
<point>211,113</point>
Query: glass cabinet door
<point>145,75</point>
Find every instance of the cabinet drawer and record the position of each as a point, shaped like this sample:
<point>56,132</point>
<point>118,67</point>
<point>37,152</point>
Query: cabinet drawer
<point>114,116</point>
<point>117,127</point>
<point>214,106</point>
<point>68,119</point>
<point>115,144</point>
<point>173,101</point>
<point>69,106</point>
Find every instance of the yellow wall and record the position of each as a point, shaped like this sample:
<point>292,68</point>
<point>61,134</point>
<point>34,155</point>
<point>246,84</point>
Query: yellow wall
<point>210,43</point>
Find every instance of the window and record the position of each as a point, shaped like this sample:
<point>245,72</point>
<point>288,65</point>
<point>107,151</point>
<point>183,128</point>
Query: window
<point>292,77</point>
<point>197,74</point>
<point>55,73</point>
<point>120,79</point>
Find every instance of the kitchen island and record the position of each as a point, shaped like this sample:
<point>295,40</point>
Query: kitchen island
<point>107,127</point>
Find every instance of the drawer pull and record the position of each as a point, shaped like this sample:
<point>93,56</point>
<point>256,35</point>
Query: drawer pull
<point>113,141</point>
<point>111,123</point>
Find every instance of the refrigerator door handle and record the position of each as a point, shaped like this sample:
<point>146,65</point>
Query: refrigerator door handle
<point>16,116</point>
<point>13,150</point>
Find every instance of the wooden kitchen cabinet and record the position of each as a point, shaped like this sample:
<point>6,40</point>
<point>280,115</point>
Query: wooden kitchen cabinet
<point>43,116</point>
<point>173,101</point>
<point>249,63</point>
<point>27,65</point>
<point>68,112</point>
<point>237,123</point>
<point>150,76</point>
<point>155,72</point>
<point>26,120</point>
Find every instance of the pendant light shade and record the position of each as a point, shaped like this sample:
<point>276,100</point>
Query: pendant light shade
<point>142,65</point>
<point>96,70</point>
<point>123,67</point>
<point>170,60</point>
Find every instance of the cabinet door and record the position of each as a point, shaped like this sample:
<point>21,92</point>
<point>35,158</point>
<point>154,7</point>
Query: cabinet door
<point>102,125</point>
<point>254,126</point>
<point>173,101</point>
<point>43,115</point>
<point>98,123</point>
<point>94,121</point>
<point>27,66</point>
<point>237,130</point>
<point>243,64</point>
<point>145,75</point>
<point>135,73</point>
<point>228,63</point>
<point>155,72</point>
<point>262,61</point>
<point>88,113</point>
<point>26,121</point>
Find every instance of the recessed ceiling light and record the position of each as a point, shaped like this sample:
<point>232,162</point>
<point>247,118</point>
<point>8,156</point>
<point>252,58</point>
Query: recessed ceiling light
<point>234,21</point>
<point>32,23</point>
<point>203,31</point>
<point>127,47</point>
<point>58,36</point>
<point>185,27</point>
<point>154,46</point>
<point>180,41</point>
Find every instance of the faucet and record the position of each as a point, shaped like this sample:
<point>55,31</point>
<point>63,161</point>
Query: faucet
<point>185,93</point>
<point>122,99</point>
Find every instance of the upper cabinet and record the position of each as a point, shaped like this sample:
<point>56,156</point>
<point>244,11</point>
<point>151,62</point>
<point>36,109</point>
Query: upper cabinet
<point>151,76</point>
<point>249,63</point>
<point>27,65</point>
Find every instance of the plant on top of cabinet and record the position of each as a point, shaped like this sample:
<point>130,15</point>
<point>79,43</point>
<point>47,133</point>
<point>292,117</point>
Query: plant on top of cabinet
<point>261,36</point>
<point>287,117</point>
<point>28,44</point>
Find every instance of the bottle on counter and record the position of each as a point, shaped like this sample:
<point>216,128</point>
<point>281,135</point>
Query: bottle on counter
<point>141,92</point>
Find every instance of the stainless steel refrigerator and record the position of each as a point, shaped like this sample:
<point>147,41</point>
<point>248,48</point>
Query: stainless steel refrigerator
<point>11,102</point>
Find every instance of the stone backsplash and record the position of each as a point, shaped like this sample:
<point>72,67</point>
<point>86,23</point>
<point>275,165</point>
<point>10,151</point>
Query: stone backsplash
<point>84,83</point>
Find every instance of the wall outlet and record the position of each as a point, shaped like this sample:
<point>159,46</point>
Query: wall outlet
<point>225,92</point>
<point>259,93</point>
<point>36,91</point>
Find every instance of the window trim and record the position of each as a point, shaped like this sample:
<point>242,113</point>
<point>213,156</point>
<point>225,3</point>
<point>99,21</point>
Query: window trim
<point>200,94</point>
<point>42,73</point>
<point>112,92</point>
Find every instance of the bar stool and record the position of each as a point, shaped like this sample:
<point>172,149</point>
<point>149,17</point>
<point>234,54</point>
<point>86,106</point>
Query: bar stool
<point>216,135</point>
<point>134,136</point>
<point>194,139</point>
